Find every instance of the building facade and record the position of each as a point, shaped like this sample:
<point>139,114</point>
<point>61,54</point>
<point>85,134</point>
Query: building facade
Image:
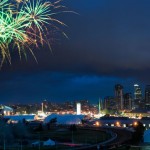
<point>147,97</point>
<point>128,101</point>
<point>119,97</point>
<point>109,103</point>
<point>137,101</point>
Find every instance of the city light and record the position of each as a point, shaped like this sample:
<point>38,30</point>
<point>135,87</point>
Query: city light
<point>97,123</point>
<point>135,123</point>
<point>118,124</point>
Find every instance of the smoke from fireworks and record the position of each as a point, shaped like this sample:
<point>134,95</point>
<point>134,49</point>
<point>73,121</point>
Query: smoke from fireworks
<point>25,24</point>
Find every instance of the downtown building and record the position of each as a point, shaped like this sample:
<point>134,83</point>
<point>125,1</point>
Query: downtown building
<point>138,101</point>
<point>128,101</point>
<point>109,103</point>
<point>147,97</point>
<point>119,97</point>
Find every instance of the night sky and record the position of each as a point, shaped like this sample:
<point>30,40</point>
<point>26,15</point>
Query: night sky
<point>109,43</point>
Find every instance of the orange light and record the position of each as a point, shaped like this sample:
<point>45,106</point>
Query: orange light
<point>135,123</point>
<point>117,123</point>
<point>97,123</point>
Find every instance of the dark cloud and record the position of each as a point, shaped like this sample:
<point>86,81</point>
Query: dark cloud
<point>108,43</point>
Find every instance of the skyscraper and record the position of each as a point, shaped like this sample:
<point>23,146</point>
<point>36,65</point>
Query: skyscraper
<point>147,94</point>
<point>137,92</point>
<point>128,101</point>
<point>119,96</point>
<point>137,97</point>
<point>109,103</point>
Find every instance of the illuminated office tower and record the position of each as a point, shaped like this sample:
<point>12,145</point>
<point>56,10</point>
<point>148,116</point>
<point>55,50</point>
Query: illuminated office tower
<point>119,97</point>
<point>127,101</point>
<point>109,103</point>
<point>147,94</point>
<point>147,97</point>
<point>137,92</point>
<point>137,96</point>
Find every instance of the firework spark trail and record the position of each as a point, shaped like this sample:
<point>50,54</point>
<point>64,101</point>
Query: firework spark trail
<point>24,24</point>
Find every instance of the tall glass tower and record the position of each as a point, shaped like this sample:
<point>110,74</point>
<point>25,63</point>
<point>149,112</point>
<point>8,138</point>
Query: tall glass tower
<point>119,96</point>
<point>137,101</point>
<point>147,94</point>
<point>137,92</point>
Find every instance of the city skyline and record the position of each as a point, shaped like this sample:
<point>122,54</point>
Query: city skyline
<point>125,92</point>
<point>108,44</point>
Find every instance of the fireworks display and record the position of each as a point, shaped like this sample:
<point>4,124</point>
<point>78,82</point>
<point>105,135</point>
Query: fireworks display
<point>24,24</point>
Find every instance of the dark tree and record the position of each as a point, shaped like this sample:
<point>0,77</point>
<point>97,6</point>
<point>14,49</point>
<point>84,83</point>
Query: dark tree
<point>51,123</point>
<point>84,121</point>
<point>5,132</point>
<point>20,130</point>
<point>40,127</point>
<point>24,121</point>
<point>138,134</point>
<point>73,127</point>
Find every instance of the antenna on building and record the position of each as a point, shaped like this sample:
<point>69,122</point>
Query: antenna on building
<point>99,106</point>
<point>42,107</point>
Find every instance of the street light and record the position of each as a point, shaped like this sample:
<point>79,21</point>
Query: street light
<point>97,123</point>
<point>118,124</point>
<point>135,123</point>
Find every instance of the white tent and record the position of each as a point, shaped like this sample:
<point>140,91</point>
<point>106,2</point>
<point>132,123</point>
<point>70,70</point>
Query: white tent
<point>5,110</point>
<point>147,136</point>
<point>65,119</point>
<point>49,142</point>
